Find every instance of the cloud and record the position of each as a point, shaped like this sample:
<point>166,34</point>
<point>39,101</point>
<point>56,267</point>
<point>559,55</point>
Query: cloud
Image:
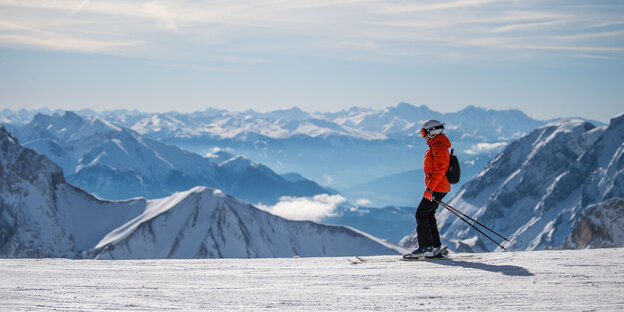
<point>403,8</point>
<point>366,29</point>
<point>328,179</point>
<point>593,35</point>
<point>306,208</point>
<point>484,147</point>
<point>524,26</point>
<point>202,68</point>
<point>363,202</point>
<point>65,42</point>
<point>82,5</point>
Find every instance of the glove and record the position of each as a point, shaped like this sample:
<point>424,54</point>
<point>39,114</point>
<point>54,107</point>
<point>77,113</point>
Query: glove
<point>428,195</point>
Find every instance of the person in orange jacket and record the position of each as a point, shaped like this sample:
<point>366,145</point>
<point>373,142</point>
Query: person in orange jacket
<point>437,186</point>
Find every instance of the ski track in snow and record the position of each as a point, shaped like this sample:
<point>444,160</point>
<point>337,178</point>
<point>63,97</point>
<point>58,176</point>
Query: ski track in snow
<point>567,280</point>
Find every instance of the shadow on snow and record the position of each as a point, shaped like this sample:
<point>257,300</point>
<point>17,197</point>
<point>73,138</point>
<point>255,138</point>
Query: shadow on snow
<point>509,270</point>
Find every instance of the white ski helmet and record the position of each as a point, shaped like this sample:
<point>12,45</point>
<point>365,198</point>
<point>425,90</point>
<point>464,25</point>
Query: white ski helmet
<point>431,128</point>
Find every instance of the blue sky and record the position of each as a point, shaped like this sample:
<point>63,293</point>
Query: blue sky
<point>547,58</point>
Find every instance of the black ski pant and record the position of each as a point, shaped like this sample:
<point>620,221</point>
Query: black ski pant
<point>426,224</point>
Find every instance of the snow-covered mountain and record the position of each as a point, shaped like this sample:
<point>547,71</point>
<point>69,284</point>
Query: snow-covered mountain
<point>536,190</point>
<point>117,163</point>
<point>43,216</point>
<point>207,223</point>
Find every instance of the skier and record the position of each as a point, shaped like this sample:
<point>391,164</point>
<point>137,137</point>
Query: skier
<point>437,186</point>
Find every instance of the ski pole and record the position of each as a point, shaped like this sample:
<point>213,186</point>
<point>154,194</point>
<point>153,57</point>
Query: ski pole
<point>474,227</point>
<point>449,207</point>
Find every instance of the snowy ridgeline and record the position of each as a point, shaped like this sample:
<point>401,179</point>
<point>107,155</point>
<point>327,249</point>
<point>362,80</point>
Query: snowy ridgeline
<point>399,121</point>
<point>116,163</point>
<point>540,189</point>
<point>565,280</point>
<point>43,216</point>
<point>348,150</point>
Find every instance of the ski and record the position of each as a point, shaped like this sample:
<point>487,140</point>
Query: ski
<point>444,255</point>
<point>360,260</point>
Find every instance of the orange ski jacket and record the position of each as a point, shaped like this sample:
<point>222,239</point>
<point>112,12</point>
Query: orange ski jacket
<point>436,164</point>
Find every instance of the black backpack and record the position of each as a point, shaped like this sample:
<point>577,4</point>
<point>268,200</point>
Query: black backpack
<point>454,171</point>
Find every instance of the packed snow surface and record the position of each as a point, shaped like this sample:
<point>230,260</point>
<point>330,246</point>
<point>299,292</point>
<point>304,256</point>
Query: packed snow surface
<point>565,280</point>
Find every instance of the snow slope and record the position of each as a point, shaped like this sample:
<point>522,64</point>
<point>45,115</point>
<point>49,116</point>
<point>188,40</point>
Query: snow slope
<point>567,280</point>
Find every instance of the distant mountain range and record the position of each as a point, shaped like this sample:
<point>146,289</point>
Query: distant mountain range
<point>113,162</point>
<point>341,150</point>
<point>351,150</point>
<point>374,156</point>
<point>41,215</point>
<point>557,186</point>
<point>538,190</point>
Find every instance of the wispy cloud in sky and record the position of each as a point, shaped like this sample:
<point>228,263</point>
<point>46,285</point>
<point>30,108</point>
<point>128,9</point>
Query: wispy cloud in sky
<point>79,7</point>
<point>376,29</point>
<point>405,7</point>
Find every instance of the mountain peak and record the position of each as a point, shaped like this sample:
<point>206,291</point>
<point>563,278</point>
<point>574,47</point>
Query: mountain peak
<point>472,109</point>
<point>72,117</point>
<point>570,125</point>
<point>41,118</point>
<point>356,109</point>
<point>407,106</point>
<point>28,164</point>
<point>238,163</point>
<point>617,119</point>
<point>5,135</point>
<point>412,113</point>
<point>102,125</point>
<point>403,105</point>
<point>219,156</point>
<point>293,113</point>
<point>293,109</point>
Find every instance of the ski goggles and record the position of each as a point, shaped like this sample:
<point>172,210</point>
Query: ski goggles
<point>424,132</point>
